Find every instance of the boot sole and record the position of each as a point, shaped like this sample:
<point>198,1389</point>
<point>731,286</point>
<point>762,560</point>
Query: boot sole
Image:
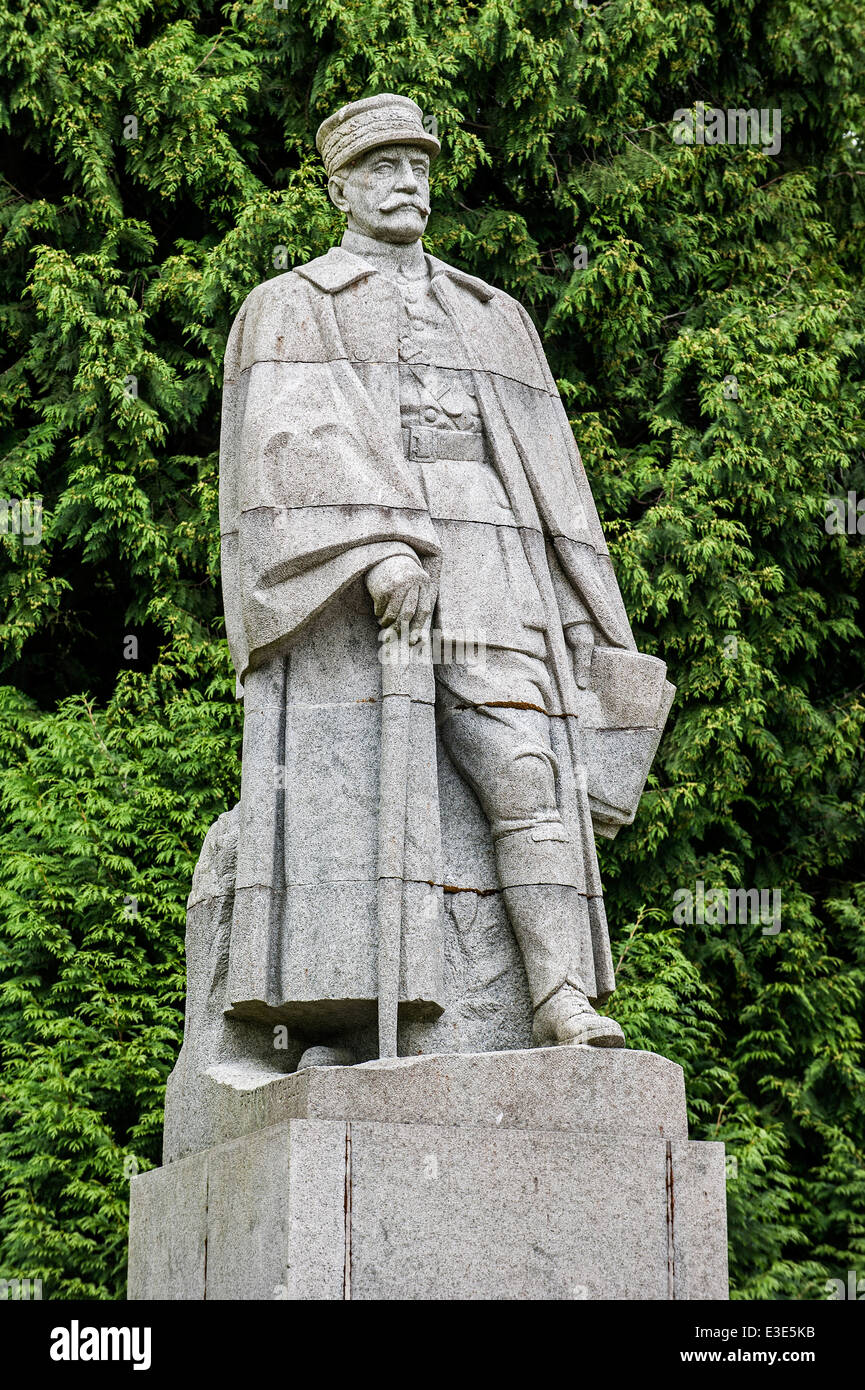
<point>595,1032</point>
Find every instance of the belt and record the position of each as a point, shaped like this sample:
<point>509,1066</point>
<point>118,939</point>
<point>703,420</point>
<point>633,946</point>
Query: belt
<point>460,445</point>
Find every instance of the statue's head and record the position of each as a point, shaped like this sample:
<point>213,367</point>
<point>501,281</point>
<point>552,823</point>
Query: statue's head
<point>377,155</point>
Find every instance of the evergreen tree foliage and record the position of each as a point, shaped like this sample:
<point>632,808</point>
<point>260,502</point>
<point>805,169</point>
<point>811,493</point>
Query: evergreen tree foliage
<point>158,162</point>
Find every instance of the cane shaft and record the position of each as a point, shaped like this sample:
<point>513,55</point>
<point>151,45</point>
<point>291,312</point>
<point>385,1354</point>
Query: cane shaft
<point>393,789</point>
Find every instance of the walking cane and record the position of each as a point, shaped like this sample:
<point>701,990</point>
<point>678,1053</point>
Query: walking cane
<point>396,675</point>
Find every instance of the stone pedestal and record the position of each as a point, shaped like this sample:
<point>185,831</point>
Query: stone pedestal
<point>555,1173</point>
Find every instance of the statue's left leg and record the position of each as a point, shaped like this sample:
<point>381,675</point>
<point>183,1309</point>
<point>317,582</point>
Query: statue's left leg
<point>550,922</point>
<point>504,753</point>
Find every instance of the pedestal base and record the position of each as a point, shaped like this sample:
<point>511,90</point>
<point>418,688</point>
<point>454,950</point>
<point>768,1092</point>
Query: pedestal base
<point>556,1173</point>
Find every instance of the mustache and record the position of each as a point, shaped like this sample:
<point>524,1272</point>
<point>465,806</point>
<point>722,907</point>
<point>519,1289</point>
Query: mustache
<point>394,204</point>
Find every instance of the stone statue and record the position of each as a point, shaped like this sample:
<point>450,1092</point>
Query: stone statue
<point>443,701</point>
<point>394,1082</point>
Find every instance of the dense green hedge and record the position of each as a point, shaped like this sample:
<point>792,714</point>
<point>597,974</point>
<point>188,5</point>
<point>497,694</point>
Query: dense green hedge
<point>127,258</point>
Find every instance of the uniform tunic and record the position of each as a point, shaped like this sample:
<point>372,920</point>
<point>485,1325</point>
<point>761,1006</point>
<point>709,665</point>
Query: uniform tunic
<point>488,601</point>
<point>486,590</point>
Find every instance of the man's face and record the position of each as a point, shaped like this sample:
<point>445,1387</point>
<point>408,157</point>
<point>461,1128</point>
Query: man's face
<point>385,193</point>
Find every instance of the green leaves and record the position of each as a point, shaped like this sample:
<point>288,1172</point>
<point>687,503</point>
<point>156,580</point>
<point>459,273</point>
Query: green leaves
<point>710,354</point>
<point>104,812</point>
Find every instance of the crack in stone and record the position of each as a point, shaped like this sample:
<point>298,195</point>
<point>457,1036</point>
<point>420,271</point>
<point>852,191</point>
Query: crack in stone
<point>671,1215</point>
<point>346,1274</point>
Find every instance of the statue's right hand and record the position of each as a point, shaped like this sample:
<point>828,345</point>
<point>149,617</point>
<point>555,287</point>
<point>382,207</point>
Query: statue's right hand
<point>402,593</point>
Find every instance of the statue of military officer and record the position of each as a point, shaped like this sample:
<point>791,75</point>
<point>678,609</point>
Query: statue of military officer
<point>395,458</point>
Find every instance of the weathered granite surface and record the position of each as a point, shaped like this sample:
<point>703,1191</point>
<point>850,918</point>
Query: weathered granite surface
<point>584,1089</point>
<point>541,1174</point>
<point>412,864</point>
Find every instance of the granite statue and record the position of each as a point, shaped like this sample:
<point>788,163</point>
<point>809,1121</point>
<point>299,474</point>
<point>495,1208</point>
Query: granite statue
<point>444,706</point>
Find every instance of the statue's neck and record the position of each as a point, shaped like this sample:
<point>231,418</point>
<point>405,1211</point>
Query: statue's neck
<point>392,260</point>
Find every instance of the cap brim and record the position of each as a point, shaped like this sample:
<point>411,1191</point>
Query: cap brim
<point>423,140</point>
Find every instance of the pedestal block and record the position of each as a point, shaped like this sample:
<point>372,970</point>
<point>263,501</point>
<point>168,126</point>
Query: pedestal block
<point>554,1173</point>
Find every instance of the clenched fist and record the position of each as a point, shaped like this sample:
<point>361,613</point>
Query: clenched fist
<point>402,594</point>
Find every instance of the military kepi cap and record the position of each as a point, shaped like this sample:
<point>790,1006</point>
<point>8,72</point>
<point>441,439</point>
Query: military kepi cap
<point>364,125</point>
